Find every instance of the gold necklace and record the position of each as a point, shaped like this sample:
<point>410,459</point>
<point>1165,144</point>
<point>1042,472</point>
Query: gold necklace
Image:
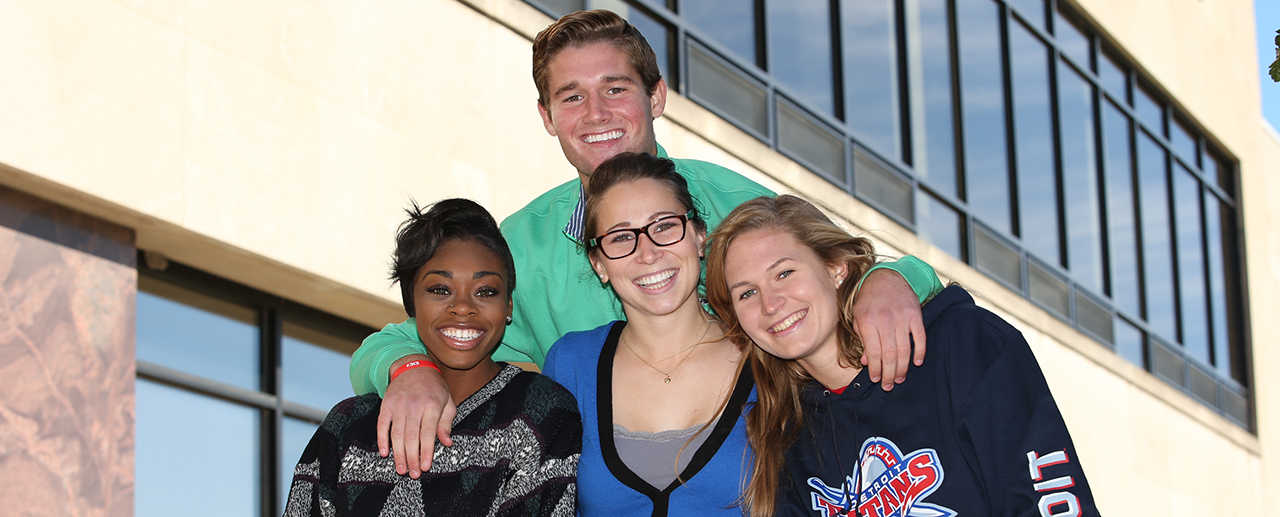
<point>666,375</point>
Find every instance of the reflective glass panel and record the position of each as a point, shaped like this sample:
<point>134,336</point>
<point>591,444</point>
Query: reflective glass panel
<point>731,24</point>
<point>1112,77</point>
<point>295,434</point>
<point>1080,178</point>
<point>1157,244</point>
<point>1072,40</point>
<point>183,438</point>
<point>1191,281</point>
<point>1031,10</point>
<point>871,74</point>
<point>1223,287</point>
<point>1121,224</point>
<point>1149,111</point>
<point>313,373</point>
<point>1215,169</point>
<point>985,158</point>
<point>935,159</point>
<point>1129,342</point>
<point>655,32</point>
<point>939,224</point>
<point>562,7</point>
<point>1183,143</point>
<point>1033,138</point>
<point>197,334</point>
<point>800,50</point>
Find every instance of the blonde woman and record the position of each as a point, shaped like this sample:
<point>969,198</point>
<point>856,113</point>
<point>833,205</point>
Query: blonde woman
<point>974,431</point>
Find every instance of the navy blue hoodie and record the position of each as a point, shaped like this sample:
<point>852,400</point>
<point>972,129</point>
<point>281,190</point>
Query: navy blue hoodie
<point>972,432</point>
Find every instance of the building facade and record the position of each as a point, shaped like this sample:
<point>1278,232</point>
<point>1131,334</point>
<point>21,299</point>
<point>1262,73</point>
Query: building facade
<point>198,202</point>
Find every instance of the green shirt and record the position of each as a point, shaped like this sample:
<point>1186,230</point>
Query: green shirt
<point>556,290</point>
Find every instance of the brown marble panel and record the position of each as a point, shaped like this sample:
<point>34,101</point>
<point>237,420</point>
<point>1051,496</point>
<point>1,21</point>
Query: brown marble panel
<point>68,288</point>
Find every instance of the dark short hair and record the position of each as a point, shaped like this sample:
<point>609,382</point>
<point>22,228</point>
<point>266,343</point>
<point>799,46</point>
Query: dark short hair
<point>583,27</point>
<point>428,228</point>
<point>627,167</point>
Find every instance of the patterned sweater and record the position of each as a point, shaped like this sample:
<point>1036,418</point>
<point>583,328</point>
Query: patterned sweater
<point>516,443</point>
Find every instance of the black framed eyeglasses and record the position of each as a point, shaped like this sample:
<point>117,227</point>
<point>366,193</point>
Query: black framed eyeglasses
<point>664,231</point>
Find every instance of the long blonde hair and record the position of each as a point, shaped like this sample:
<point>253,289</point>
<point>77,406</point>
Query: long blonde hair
<point>773,423</point>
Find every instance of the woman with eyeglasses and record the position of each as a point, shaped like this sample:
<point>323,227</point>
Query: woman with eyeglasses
<point>661,392</point>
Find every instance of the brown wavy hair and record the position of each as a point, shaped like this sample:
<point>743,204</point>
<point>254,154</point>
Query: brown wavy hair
<point>774,422</point>
<point>584,27</point>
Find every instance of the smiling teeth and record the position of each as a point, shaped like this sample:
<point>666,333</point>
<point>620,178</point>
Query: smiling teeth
<point>787,323</point>
<point>648,280</point>
<point>611,135</point>
<point>461,334</point>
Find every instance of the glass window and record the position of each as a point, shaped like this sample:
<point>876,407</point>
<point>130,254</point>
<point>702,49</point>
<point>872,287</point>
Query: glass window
<point>1191,281</point>
<point>199,334</point>
<point>562,7</point>
<point>1216,170</point>
<point>1122,236</point>
<point>985,157</point>
<point>731,24</point>
<point>1031,10</point>
<point>182,437</point>
<point>295,434</point>
<point>1113,78</point>
<point>313,372</point>
<point>939,224</point>
<point>1080,178</point>
<point>1223,302</point>
<point>1157,244</point>
<point>935,160</point>
<point>1183,142</point>
<point>654,31</point>
<point>1150,112</point>
<point>871,74</point>
<point>1033,138</point>
<point>802,28</point>
<point>1129,342</point>
<point>1072,40</point>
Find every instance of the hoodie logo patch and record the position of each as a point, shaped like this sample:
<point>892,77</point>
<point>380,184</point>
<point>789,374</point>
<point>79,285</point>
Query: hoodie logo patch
<point>889,484</point>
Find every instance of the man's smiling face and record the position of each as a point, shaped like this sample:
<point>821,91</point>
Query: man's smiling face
<point>597,106</point>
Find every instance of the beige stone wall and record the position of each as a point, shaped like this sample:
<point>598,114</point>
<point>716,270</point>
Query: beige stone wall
<point>275,144</point>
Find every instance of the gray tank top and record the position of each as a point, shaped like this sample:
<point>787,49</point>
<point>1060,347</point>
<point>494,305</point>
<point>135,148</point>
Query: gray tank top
<point>652,456</point>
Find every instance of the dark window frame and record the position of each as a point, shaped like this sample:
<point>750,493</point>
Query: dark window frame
<point>271,312</point>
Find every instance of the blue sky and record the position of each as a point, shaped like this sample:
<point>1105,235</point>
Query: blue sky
<point>1268,20</point>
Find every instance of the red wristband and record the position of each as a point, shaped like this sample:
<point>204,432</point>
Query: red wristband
<point>411,365</point>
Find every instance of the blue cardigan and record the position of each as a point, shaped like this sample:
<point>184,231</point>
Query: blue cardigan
<point>583,362</point>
